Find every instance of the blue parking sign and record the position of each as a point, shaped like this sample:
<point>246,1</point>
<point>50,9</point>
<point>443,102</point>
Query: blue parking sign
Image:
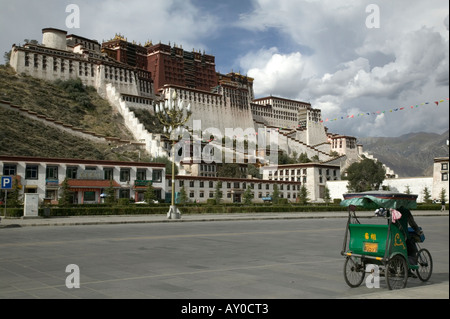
<point>6,182</point>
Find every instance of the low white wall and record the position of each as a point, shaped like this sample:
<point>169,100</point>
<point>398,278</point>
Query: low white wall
<point>416,186</point>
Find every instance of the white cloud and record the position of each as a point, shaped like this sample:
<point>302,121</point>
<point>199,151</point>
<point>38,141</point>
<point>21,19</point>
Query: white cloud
<point>177,21</point>
<point>319,51</point>
<point>275,72</point>
<point>403,61</point>
<point>174,21</point>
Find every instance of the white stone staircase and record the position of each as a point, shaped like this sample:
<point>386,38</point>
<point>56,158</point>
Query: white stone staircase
<point>152,141</point>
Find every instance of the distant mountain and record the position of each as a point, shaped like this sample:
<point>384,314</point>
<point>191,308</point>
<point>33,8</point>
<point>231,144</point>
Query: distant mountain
<point>409,155</point>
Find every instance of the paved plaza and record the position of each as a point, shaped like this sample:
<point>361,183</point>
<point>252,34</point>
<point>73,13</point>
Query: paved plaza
<point>256,256</point>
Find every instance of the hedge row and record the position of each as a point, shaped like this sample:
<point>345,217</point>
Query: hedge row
<point>188,209</point>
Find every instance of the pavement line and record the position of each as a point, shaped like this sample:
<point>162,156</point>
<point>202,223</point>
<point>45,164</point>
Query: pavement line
<point>187,273</point>
<point>50,243</point>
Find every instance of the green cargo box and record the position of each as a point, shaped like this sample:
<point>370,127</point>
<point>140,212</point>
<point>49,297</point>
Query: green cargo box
<point>370,240</point>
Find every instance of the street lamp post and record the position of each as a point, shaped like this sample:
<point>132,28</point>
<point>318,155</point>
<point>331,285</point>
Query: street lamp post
<point>173,115</point>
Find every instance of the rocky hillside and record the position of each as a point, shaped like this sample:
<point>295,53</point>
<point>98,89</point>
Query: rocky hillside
<point>67,102</point>
<point>409,155</point>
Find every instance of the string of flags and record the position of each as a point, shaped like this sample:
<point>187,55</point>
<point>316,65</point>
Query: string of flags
<point>385,111</point>
<point>437,102</point>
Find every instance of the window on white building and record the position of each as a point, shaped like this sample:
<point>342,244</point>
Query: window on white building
<point>108,174</point>
<point>31,172</point>
<point>124,174</point>
<point>51,172</point>
<point>9,169</point>
<point>71,172</point>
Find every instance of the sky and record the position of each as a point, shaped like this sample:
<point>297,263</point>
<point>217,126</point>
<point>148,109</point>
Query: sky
<point>373,67</point>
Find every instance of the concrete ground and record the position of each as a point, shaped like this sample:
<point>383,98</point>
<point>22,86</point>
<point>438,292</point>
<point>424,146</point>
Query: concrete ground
<point>435,291</point>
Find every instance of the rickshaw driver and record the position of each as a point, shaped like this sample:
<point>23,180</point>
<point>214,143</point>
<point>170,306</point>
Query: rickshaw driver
<point>407,218</point>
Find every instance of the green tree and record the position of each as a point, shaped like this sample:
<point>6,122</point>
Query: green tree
<point>110,194</point>
<point>150,195</point>
<point>248,196</point>
<point>167,161</point>
<point>66,195</point>
<point>218,193</point>
<point>426,195</point>
<point>303,195</point>
<point>303,158</point>
<point>443,195</point>
<point>14,196</point>
<point>284,159</point>
<point>326,195</point>
<point>365,175</point>
<point>275,194</point>
<point>183,198</point>
<point>407,190</point>
<point>254,171</point>
<point>230,170</point>
<point>7,57</point>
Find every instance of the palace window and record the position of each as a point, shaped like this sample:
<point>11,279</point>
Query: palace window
<point>27,59</point>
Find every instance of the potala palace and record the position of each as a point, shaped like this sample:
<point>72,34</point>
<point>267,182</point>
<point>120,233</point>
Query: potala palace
<point>131,76</point>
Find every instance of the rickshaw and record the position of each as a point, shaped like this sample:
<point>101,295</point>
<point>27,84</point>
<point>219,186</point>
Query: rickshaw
<point>383,241</point>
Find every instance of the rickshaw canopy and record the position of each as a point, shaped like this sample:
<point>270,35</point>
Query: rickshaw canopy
<point>380,199</point>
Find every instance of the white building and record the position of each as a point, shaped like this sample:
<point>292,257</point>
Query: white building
<point>313,175</point>
<point>415,185</point>
<point>440,178</point>
<point>87,179</point>
<point>199,189</point>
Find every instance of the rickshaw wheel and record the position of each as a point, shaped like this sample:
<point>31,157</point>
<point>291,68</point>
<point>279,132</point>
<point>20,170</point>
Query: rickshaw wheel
<point>396,272</point>
<point>425,263</point>
<point>354,271</point>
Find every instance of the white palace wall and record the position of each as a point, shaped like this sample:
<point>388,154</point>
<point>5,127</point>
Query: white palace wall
<point>212,110</point>
<point>51,64</point>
